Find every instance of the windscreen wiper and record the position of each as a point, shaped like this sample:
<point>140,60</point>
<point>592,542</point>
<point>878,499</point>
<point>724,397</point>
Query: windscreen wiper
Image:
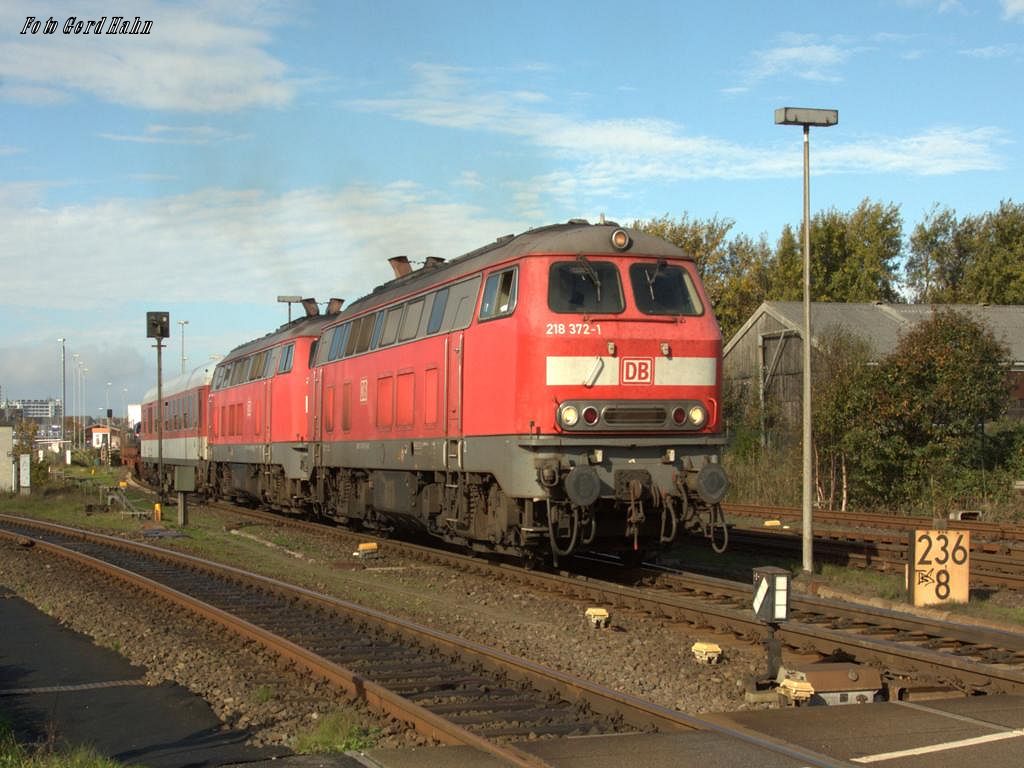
<point>591,273</point>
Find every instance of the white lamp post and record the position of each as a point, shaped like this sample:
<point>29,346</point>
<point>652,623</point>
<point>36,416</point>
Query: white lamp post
<point>821,118</point>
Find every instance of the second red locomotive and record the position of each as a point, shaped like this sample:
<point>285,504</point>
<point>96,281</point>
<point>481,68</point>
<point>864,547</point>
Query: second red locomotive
<point>549,393</point>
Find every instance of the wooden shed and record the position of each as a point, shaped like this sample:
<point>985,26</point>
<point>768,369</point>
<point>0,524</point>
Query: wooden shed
<point>764,360</point>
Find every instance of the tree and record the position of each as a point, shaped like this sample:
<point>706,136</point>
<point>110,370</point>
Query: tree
<point>746,284</point>
<point>996,273</point>
<point>976,259</point>
<point>940,251</point>
<point>702,239</point>
<point>922,410</point>
<point>840,370</point>
<point>786,279</point>
<point>854,256</point>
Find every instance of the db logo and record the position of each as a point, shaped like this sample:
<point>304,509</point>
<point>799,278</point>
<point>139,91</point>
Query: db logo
<point>638,370</point>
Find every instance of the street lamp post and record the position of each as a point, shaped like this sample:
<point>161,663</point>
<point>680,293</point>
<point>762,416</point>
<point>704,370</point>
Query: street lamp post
<point>82,390</point>
<point>63,391</point>
<point>74,399</point>
<point>110,427</point>
<point>183,323</point>
<point>821,118</point>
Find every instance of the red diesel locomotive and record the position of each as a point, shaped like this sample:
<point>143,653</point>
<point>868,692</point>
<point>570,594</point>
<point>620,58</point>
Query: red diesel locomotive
<point>547,394</point>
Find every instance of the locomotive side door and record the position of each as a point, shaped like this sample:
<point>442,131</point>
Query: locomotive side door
<point>314,401</point>
<point>454,354</point>
<point>267,396</point>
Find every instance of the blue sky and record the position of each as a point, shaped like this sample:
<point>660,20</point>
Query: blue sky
<point>244,150</point>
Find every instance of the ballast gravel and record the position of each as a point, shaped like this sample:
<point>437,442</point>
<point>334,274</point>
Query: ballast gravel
<point>248,688</point>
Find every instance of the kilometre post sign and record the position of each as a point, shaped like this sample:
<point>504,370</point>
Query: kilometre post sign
<point>939,566</point>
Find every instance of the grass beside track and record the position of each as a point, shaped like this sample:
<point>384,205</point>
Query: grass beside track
<point>15,755</point>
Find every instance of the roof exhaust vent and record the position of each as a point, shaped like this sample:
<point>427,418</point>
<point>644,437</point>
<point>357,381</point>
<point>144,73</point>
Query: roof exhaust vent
<point>401,265</point>
<point>310,305</point>
<point>433,261</point>
<point>334,306</point>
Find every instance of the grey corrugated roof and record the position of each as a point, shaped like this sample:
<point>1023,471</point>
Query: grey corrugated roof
<point>881,325</point>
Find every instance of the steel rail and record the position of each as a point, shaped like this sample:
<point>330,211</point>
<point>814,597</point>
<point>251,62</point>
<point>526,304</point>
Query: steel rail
<point>980,530</point>
<point>600,699</point>
<point>723,605</point>
<point>377,697</point>
<point>880,552</point>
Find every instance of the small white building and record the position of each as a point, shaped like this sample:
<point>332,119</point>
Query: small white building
<point>7,466</point>
<point>100,435</point>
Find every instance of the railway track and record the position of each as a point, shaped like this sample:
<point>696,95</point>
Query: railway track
<point>983,533</point>
<point>912,650</point>
<point>448,689</point>
<point>880,542</point>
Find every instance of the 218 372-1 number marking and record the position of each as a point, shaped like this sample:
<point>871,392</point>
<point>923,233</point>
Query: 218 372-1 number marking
<point>573,329</point>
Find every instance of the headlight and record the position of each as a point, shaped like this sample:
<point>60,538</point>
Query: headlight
<point>570,415</point>
<point>698,415</point>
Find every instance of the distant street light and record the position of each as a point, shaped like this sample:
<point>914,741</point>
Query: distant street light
<point>110,427</point>
<point>63,391</point>
<point>85,400</point>
<point>74,398</point>
<point>183,323</point>
<point>289,300</point>
<point>821,118</point>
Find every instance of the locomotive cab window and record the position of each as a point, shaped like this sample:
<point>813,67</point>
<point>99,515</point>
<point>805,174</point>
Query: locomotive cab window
<point>239,370</point>
<point>286,359</point>
<point>391,321</point>
<point>338,339</point>
<point>585,287</point>
<point>499,294</point>
<point>360,335</point>
<point>411,321</point>
<point>437,311</point>
<point>660,289</point>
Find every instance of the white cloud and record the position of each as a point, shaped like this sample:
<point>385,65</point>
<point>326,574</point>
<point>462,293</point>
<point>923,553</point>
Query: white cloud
<point>231,245</point>
<point>181,134</point>
<point>990,52</point>
<point>601,157</point>
<point>938,151</point>
<point>1013,9</point>
<point>191,61</point>
<point>470,180</point>
<point>226,254</point>
<point>806,62</point>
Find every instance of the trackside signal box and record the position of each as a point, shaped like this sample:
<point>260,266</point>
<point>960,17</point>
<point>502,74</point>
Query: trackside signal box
<point>771,594</point>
